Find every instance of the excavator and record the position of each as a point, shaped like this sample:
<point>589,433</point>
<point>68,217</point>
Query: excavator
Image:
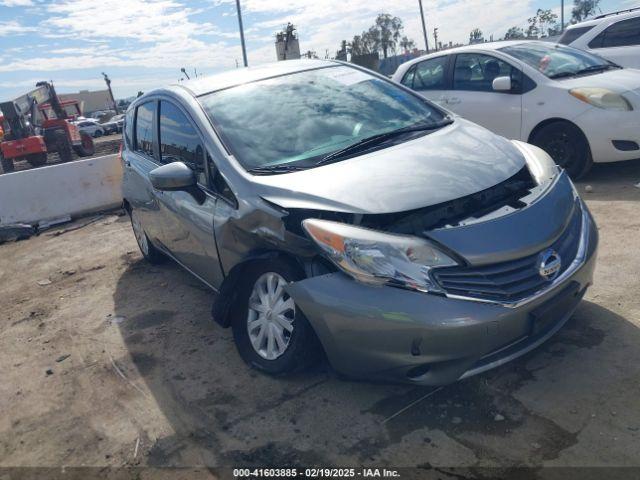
<point>38,123</point>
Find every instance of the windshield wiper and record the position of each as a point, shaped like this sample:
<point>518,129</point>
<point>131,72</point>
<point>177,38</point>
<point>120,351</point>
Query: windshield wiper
<point>274,169</point>
<point>590,69</point>
<point>368,142</point>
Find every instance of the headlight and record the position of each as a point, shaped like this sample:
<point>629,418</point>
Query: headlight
<point>601,98</point>
<point>541,165</point>
<point>378,258</point>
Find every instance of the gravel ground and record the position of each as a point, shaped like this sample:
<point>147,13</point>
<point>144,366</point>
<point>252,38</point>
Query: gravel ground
<point>108,361</point>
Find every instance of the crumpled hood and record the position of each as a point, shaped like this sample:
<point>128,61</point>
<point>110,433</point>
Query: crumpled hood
<point>453,162</point>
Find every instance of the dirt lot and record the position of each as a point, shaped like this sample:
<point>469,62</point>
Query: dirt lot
<point>115,362</point>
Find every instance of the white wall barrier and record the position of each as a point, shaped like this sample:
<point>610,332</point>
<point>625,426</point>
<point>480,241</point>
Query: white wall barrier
<point>54,191</point>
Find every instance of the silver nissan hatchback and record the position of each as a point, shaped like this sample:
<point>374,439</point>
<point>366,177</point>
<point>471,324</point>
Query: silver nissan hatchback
<point>336,213</point>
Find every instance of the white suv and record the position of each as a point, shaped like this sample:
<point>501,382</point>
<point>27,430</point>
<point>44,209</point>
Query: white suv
<point>614,36</point>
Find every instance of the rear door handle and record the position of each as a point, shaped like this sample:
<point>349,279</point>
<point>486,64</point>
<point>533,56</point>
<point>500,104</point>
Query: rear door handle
<point>454,101</point>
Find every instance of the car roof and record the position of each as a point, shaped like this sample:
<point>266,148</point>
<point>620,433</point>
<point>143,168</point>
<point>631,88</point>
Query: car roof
<point>608,17</point>
<point>211,83</point>
<point>487,47</point>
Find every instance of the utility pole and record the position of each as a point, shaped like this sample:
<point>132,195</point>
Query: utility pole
<point>244,49</point>
<point>435,38</point>
<point>424,27</point>
<point>113,100</point>
<point>561,15</point>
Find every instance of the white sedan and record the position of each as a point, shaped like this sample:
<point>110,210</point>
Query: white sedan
<point>91,127</point>
<point>578,107</point>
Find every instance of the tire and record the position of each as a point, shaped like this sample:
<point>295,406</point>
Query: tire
<point>567,145</point>
<point>97,133</point>
<point>37,159</point>
<point>301,348</point>
<point>63,147</point>
<point>149,252</point>
<point>6,164</point>
<point>86,147</point>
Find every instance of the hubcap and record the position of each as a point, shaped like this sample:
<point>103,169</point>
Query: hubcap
<point>141,237</point>
<point>561,150</point>
<point>270,317</point>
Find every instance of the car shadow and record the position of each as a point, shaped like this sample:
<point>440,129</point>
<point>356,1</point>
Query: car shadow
<point>611,181</point>
<point>224,414</point>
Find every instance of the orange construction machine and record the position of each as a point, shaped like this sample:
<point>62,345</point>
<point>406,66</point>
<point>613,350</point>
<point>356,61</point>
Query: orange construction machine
<point>36,124</point>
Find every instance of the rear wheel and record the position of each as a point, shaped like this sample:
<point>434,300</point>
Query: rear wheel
<point>86,147</point>
<point>6,164</point>
<point>149,252</point>
<point>63,146</point>
<point>97,133</point>
<point>37,159</point>
<point>270,332</point>
<point>567,145</point>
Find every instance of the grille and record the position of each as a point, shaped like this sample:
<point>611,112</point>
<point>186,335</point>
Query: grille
<point>513,280</point>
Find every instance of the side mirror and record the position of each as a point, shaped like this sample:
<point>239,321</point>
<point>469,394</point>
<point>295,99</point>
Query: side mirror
<point>502,84</point>
<point>172,176</point>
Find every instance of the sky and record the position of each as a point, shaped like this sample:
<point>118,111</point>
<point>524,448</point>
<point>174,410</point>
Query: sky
<point>142,44</point>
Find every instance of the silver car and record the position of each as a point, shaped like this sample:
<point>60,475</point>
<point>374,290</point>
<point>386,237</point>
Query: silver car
<point>336,213</point>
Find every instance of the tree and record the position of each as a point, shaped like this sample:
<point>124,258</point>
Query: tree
<point>514,33</point>
<point>407,44</point>
<point>543,24</point>
<point>475,36</point>
<point>385,36</point>
<point>583,9</point>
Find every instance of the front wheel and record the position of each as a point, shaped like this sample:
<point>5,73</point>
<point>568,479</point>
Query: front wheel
<point>567,145</point>
<point>269,330</point>
<point>6,165</point>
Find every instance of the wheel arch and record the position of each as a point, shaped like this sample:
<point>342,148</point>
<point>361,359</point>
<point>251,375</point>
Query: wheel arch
<point>549,121</point>
<point>227,294</point>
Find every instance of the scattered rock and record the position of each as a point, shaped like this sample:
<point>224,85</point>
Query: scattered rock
<point>44,282</point>
<point>498,417</point>
<point>49,371</point>
<point>588,189</point>
<point>62,358</point>
<point>456,420</point>
<point>536,446</point>
<point>117,319</point>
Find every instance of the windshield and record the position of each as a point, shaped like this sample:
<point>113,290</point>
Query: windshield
<point>299,118</point>
<point>557,61</point>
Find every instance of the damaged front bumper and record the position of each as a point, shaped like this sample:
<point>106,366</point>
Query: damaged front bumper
<point>394,334</point>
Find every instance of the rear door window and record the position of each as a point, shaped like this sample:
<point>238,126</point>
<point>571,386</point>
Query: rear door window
<point>621,34</point>
<point>144,128</point>
<point>180,141</point>
<point>572,34</point>
<point>128,129</point>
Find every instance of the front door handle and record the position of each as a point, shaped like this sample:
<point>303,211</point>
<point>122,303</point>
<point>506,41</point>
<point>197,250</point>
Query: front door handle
<point>454,101</point>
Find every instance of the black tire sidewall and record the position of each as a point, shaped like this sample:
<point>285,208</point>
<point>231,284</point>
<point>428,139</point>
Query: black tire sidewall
<point>582,162</point>
<point>302,349</point>
<point>154,256</point>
